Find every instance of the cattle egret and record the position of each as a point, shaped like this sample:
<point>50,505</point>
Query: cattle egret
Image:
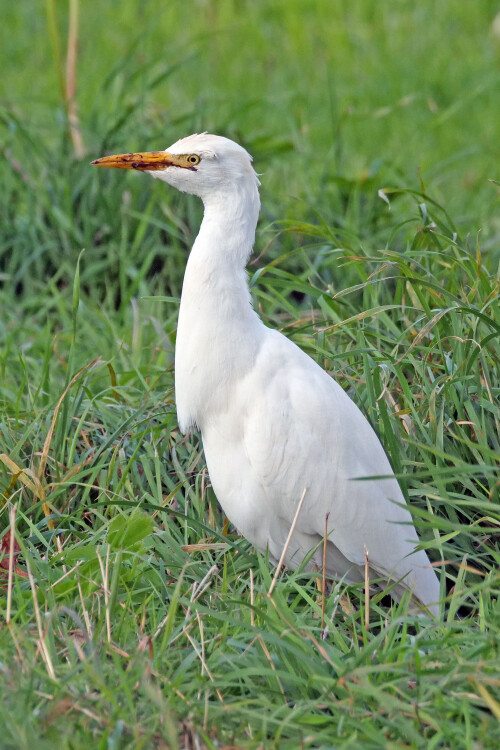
<point>276,428</point>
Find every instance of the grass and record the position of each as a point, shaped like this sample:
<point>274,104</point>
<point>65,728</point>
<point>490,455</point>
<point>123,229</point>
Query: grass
<point>132,620</point>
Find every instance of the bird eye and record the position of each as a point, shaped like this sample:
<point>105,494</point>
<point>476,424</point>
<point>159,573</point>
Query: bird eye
<point>193,159</point>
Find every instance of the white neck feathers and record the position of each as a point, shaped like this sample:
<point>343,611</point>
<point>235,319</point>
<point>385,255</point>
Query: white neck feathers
<point>218,331</point>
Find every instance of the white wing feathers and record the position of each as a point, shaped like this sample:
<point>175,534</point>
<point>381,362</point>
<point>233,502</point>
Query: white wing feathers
<point>291,427</point>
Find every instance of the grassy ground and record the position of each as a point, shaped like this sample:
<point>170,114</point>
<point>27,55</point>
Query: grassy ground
<point>132,620</point>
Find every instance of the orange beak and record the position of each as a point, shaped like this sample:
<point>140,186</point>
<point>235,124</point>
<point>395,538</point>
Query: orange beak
<point>152,161</point>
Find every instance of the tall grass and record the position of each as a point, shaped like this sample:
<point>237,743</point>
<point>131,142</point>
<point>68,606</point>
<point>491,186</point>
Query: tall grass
<point>132,618</point>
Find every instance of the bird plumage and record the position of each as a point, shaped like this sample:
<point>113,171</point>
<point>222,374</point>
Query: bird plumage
<point>273,423</point>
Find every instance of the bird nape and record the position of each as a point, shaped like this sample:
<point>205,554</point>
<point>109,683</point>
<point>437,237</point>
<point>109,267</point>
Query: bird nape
<point>275,426</point>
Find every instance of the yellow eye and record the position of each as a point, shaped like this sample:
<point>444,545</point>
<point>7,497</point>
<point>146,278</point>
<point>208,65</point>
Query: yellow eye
<point>193,159</point>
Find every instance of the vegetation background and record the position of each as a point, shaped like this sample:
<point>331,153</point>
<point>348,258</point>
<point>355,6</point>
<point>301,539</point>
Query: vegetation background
<point>131,620</point>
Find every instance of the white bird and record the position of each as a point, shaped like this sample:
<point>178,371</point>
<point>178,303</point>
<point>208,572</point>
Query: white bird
<point>273,423</point>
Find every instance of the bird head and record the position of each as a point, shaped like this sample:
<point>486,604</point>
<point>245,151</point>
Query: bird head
<point>201,164</point>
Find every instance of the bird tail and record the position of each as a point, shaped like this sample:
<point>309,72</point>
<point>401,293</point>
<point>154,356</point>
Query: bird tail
<point>422,583</point>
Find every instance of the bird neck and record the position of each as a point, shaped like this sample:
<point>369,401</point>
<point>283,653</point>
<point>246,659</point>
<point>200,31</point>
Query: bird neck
<point>229,223</point>
<point>215,271</point>
<point>218,331</point>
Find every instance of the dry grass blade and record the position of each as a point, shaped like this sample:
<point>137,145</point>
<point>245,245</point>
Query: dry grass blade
<point>204,665</point>
<point>323,575</point>
<point>271,664</point>
<point>104,575</point>
<point>252,599</point>
<point>205,547</point>
<point>10,580</point>
<point>84,609</point>
<point>25,476</point>
<point>41,636</point>
<point>490,701</point>
<point>288,539</point>
<point>305,635</point>
<point>65,575</point>
<point>424,331</point>
<point>50,433</point>
<point>71,59</point>
<point>367,591</point>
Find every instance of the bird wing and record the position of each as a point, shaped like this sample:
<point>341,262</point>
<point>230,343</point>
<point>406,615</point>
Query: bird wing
<point>303,433</point>
<point>292,429</point>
